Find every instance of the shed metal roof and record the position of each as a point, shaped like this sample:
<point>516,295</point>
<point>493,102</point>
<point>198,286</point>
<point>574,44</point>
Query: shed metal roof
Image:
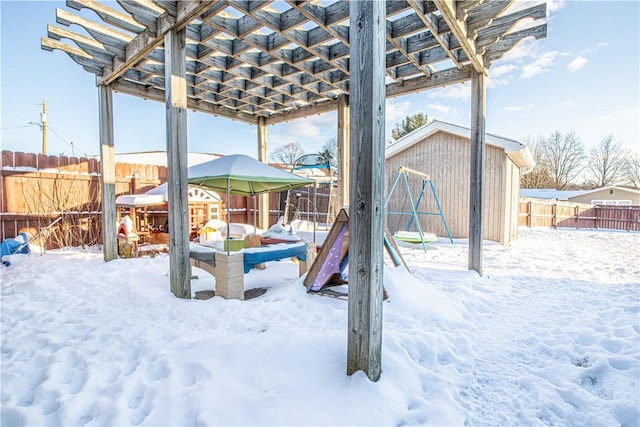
<point>282,59</point>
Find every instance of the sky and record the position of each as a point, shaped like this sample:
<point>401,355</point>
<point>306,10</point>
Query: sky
<point>543,338</point>
<point>584,77</point>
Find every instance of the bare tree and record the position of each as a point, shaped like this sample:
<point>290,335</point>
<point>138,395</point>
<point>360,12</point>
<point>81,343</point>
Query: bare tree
<point>563,156</point>
<point>631,171</point>
<point>607,162</point>
<point>539,177</point>
<point>48,196</point>
<point>287,154</point>
<point>409,124</point>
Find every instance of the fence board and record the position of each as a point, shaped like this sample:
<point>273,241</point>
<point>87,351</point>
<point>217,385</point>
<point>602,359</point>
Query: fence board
<point>19,188</point>
<point>7,159</point>
<point>575,215</point>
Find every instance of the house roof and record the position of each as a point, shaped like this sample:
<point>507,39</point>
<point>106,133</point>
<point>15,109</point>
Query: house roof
<point>549,193</point>
<point>518,152</point>
<point>159,158</point>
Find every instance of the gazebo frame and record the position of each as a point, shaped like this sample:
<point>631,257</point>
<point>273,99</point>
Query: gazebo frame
<point>265,62</point>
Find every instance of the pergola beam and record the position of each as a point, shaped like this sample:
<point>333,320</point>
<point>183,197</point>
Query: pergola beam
<point>458,28</point>
<point>156,94</point>
<point>431,22</point>
<point>146,42</point>
<point>236,66</point>
<point>108,15</point>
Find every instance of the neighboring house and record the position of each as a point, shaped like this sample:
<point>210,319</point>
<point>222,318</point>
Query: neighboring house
<point>612,195</point>
<point>442,150</point>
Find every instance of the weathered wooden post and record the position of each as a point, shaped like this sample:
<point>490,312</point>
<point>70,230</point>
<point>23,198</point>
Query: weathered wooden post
<point>366,207</point>
<point>176,112</point>
<point>476,188</point>
<point>107,173</point>
<point>263,199</point>
<point>343,151</point>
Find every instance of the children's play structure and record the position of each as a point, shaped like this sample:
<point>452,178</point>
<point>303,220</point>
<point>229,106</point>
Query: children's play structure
<point>330,266</point>
<point>415,236</point>
<point>309,163</point>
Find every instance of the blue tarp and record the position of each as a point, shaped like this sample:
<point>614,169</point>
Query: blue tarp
<point>260,254</point>
<point>17,245</point>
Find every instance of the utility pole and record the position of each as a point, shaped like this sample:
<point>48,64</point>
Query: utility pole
<point>43,120</point>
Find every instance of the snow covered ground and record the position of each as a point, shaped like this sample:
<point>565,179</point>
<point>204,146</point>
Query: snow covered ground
<point>550,335</point>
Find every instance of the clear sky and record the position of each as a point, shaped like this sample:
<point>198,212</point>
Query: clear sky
<point>584,77</point>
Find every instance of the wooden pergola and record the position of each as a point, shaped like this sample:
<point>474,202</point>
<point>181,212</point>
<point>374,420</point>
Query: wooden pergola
<point>265,62</point>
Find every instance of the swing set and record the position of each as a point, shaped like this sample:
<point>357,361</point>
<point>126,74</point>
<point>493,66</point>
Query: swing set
<point>407,235</point>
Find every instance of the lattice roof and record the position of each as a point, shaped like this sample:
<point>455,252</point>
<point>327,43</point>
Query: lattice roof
<point>283,59</point>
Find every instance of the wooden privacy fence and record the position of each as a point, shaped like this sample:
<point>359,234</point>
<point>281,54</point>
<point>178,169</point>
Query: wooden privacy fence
<point>36,189</point>
<point>537,213</point>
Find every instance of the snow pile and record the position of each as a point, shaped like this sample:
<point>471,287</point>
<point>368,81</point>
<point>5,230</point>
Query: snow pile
<point>548,335</point>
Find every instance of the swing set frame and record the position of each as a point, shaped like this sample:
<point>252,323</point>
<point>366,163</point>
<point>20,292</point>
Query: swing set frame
<point>426,181</point>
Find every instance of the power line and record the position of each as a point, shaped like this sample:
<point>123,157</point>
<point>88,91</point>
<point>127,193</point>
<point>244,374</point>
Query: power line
<point>73,149</point>
<point>18,127</point>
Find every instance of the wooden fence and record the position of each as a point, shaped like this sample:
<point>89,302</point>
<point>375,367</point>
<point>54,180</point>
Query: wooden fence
<point>537,213</point>
<point>37,189</point>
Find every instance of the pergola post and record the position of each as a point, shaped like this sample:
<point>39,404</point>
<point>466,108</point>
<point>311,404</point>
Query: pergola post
<point>366,210</point>
<point>176,118</point>
<point>476,172</point>
<point>343,151</point>
<point>263,199</point>
<point>107,173</point>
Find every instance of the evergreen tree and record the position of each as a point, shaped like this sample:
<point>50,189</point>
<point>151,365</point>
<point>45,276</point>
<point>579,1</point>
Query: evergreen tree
<point>408,125</point>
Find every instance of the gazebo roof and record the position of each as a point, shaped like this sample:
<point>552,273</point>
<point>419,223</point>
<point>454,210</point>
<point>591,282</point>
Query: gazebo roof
<point>283,60</point>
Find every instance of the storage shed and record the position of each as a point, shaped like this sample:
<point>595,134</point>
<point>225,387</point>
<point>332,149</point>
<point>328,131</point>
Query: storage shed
<point>442,150</point>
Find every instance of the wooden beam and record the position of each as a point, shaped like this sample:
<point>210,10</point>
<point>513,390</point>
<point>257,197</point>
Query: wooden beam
<point>88,62</point>
<point>458,28</point>
<point>476,172</point>
<point>499,27</point>
<point>114,41</point>
<point>431,22</point>
<point>176,110</point>
<point>263,156</point>
<point>343,151</point>
<point>438,79</point>
<point>510,40</point>
<point>108,15</point>
<point>142,91</point>
<point>306,111</point>
<point>482,16</point>
<point>107,174</point>
<point>92,47</point>
<point>366,210</point>
<point>146,42</point>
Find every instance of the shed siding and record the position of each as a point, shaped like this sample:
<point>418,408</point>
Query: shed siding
<point>445,158</point>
